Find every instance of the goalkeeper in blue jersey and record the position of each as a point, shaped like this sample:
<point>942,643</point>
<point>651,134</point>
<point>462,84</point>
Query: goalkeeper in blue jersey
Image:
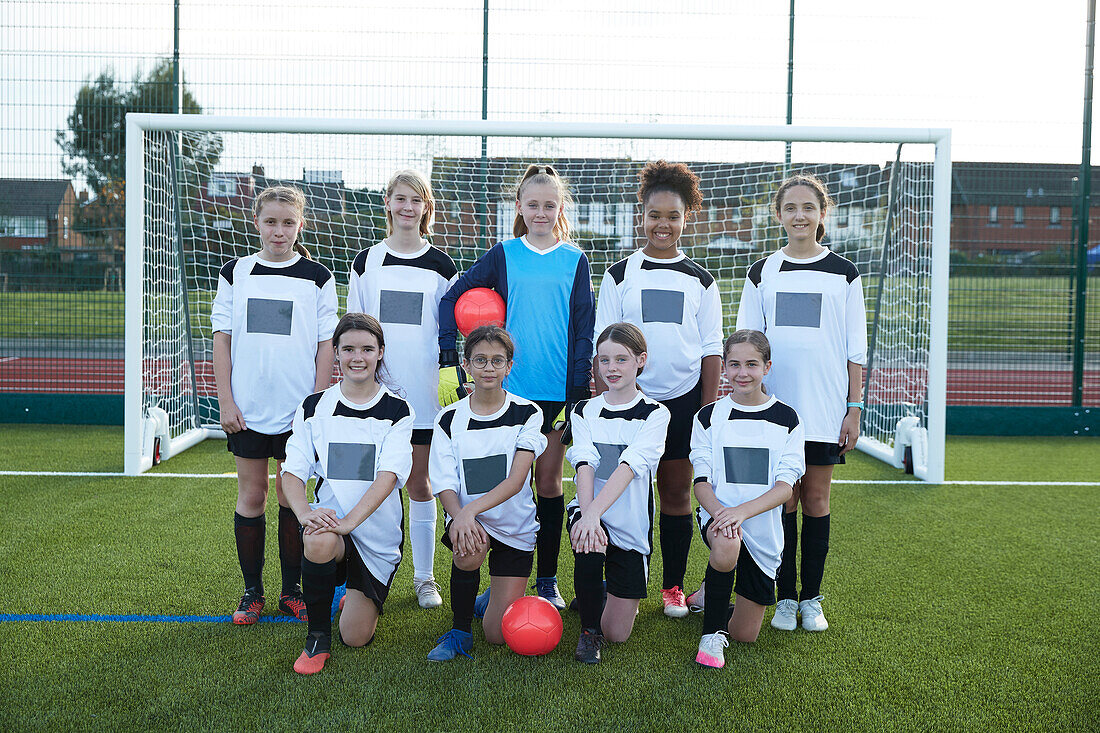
<point>546,284</point>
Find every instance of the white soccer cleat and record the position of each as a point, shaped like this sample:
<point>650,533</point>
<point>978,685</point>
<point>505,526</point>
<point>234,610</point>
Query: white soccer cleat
<point>712,650</point>
<point>696,600</point>
<point>812,617</point>
<point>786,615</point>
<point>427,593</point>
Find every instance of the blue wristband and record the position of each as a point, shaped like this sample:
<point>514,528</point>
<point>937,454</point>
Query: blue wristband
<point>855,404</point>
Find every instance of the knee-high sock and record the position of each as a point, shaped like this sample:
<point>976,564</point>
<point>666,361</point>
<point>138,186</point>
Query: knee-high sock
<point>815,546</point>
<point>422,537</point>
<point>249,534</point>
<point>290,549</point>
<point>716,600</point>
<point>550,513</point>
<point>318,590</point>
<point>588,583</point>
<point>464,585</point>
<point>675,534</point>
<point>786,580</point>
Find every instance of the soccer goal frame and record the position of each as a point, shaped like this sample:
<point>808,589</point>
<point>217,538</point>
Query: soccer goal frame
<point>916,443</point>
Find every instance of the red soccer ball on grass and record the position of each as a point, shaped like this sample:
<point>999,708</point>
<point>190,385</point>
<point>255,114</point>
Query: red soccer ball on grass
<point>531,626</point>
<point>478,307</point>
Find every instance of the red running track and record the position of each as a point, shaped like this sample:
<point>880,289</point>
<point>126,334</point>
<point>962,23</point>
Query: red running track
<point>988,387</point>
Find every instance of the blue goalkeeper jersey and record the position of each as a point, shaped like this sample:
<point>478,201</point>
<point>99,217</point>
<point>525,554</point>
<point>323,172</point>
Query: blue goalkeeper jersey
<point>551,312</point>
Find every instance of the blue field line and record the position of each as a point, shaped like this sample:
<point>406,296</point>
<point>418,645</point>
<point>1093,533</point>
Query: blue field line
<point>135,617</point>
<point>152,618</point>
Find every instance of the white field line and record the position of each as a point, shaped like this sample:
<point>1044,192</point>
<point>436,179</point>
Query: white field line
<point>6,359</point>
<point>883,482</point>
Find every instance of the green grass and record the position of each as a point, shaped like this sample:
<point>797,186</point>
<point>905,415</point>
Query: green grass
<point>951,608</point>
<point>985,313</point>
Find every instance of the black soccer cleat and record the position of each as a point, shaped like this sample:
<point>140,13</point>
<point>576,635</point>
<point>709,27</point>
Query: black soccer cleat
<point>588,646</point>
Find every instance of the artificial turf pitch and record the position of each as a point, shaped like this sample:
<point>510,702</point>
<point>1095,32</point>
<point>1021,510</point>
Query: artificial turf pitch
<point>953,607</point>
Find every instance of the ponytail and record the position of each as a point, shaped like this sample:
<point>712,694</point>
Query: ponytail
<point>301,249</point>
<point>545,174</point>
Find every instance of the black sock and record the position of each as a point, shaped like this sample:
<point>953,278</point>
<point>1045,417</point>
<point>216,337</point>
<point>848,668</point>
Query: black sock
<point>815,546</point>
<point>588,583</point>
<point>716,601</point>
<point>464,585</point>
<point>786,580</point>
<point>550,513</point>
<point>675,544</point>
<point>249,533</point>
<point>290,549</point>
<point>318,590</point>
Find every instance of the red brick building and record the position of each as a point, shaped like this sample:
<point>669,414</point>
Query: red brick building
<point>38,214</point>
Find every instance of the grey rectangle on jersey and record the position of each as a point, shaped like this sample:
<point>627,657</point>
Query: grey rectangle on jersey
<point>399,306</point>
<point>747,465</point>
<point>484,474</point>
<point>266,315</point>
<point>798,309</point>
<point>609,459</point>
<point>662,306</point>
<point>351,461</point>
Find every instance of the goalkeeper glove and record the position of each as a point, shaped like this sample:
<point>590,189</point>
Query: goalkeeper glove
<point>453,382</point>
<point>561,422</point>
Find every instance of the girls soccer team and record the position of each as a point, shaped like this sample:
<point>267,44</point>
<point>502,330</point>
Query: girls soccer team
<point>771,442</point>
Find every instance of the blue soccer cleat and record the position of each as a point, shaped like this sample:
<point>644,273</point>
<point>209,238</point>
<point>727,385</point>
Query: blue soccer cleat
<point>481,603</point>
<point>450,645</point>
<point>548,589</point>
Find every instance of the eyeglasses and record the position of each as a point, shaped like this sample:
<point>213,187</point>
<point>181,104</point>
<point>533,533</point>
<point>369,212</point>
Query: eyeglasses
<point>498,362</point>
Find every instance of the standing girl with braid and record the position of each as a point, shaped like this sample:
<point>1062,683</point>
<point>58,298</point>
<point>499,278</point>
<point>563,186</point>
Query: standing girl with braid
<point>273,319</point>
<point>809,302</point>
<point>546,284</point>
<point>675,302</point>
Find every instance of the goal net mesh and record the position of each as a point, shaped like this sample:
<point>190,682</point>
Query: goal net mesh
<point>197,215</point>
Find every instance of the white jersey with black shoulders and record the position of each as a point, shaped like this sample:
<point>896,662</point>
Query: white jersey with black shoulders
<point>346,445</point>
<point>276,314</point>
<point>403,291</point>
<point>677,306</point>
<point>742,451</point>
<point>471,454</point>
<point>812,312</point>
<point>605,436</point>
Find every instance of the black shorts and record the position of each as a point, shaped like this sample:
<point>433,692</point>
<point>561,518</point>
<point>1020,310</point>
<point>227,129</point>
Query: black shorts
<point>250,444</point>
<point>504,560</point>
<point>550,412</point>
<point>354,572</point>
<point>422,436</point>
<point>823,454</point>
<point>683,409</point>
<point>749,580</point>
<point>626,571</point>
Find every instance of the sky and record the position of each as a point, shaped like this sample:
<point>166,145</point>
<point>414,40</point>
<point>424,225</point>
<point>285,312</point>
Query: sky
<point>1007,80</point>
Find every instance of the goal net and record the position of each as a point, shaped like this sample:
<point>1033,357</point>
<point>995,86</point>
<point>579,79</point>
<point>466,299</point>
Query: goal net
<point>191,181</point>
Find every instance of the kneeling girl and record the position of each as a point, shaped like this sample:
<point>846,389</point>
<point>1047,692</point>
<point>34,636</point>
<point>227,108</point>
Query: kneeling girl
<point>618,440</point>
<point>483,447</point>
<point>356,437</point>
<point>747,450</point>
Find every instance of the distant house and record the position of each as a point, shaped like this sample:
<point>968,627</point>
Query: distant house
<point>1016,207</point>
<point>228,189</point>
<point>37,214</point>
<point>325,191</point>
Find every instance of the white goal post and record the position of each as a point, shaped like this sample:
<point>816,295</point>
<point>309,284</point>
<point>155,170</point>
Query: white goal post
<point>190,179</point>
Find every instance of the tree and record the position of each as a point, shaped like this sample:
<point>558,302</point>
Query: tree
<point>94,143</point>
